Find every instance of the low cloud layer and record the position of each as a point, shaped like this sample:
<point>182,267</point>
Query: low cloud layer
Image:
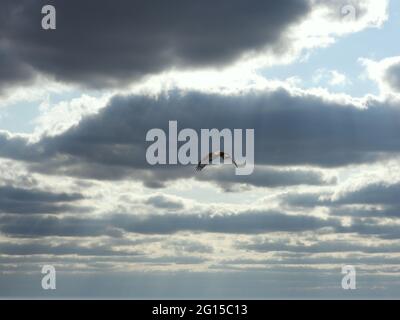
<point>242,223</point>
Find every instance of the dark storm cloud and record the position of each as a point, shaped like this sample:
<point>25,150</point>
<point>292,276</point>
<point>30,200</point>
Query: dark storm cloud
<point>31,201</point>
<point>289,130</point>
<point>242,223</point>
<point>13,71</point>
<point>392,77</point>
<point>106,44</point>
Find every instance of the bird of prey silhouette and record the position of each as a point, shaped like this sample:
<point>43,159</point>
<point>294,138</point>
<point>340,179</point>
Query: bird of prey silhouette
<point>211,156</point>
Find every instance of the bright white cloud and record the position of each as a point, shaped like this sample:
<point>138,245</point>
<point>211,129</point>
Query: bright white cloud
<point>377,71</point>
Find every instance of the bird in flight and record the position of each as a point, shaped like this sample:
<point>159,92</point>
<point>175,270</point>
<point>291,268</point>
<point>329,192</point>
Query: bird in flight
<point>211,156</point>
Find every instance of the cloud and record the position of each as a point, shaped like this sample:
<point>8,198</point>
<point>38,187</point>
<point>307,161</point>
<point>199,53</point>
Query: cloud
<point>270,177</point>
<point>296,263</point>
<point>241,223</point>
<point>373,227</point>
<point>128,40</point>
<point>378,193</point>
<point>13,72</point>
<point>337,246</point>
<point>374,200</point>
<point>385,72</point>
<point>303,199</point>
<point>386,212</point>
<point>164,202</point>
<point>121,43</point>
<point>392,77</point>
<point>183,246</point>
<point>31,226</point>
<point>299,233</point>
<point>332,77</point>
<point>15,249</point>
<point>290,130</point>
<point>31,201</point>
<point>375,193</point>
<point>246,223</point>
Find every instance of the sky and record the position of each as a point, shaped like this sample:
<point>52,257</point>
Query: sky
<point>319,85</point>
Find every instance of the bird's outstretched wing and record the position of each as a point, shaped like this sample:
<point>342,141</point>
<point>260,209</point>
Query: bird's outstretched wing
<point>200,166</point>
<point>234,162</point>
<point>227,156</point>
<point>205,161</point>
